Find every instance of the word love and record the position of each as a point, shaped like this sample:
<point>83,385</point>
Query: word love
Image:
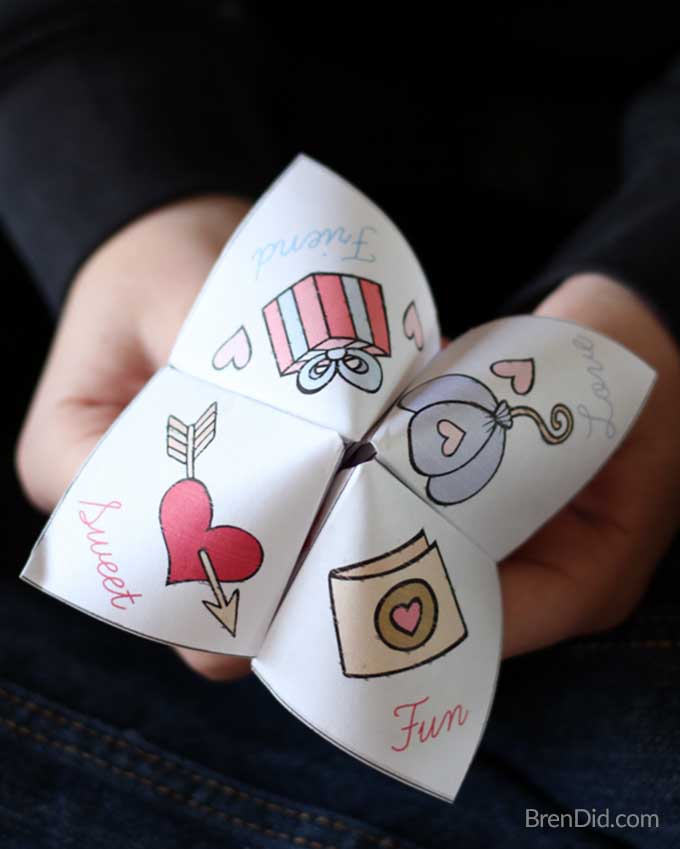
<point>419,730</point>
<point>336,240</point>
<point>106,567</point>
<point>604,416</point>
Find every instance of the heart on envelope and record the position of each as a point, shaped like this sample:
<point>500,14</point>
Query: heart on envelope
<point>406,617</point>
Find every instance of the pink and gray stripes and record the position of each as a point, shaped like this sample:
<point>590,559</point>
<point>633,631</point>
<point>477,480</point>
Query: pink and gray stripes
<point>326,311</point>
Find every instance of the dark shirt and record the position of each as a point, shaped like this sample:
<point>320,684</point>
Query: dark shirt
<point>487,137</point>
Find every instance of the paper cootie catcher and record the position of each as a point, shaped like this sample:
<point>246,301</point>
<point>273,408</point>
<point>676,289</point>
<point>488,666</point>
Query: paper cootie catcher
<point>236,507</point>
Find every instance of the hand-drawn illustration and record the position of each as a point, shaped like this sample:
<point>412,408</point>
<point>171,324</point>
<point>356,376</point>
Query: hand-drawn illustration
<point>236,351</point>
<point>197,550</point>
<point>456,436</point>
<point>326,325</point>
<point>396,611</point>
<point>413,329</point>
<point>520,373</point>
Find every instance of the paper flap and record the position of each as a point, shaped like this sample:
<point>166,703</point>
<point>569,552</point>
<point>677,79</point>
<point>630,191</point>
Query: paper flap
<point>175,528</point>
<point>397,665</point>
<point>510,422</point>
<point>317,306</point>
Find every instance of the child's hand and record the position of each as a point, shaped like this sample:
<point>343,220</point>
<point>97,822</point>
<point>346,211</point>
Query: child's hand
<point>118,326</point>
<point>587,568</point>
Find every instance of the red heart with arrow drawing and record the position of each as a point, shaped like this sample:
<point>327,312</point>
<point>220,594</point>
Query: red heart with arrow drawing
<point>197,550</point>
<point>186,521</point>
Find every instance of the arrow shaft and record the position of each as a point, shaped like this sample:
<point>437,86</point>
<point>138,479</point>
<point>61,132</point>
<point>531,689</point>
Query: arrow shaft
<point>190,464</point>
<point>215,585</point>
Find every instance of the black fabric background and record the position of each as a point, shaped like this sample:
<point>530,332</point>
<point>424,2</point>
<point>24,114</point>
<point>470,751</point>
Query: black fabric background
<point>500,134</point>
<point>487,133</point>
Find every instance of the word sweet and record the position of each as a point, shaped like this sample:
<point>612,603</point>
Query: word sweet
<point>328,239</point>
<point>599,387</point>
<point>106,568</point>
<point>419,731</point>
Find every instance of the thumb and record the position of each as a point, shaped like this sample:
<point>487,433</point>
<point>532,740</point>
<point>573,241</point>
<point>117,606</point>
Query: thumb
<point>118,325</point>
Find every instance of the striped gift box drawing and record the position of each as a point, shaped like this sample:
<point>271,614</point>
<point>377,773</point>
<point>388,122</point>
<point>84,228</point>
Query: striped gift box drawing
<point>329,324</point>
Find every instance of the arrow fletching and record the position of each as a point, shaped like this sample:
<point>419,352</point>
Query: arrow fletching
<point>205,429</point>
<point>185,443</point>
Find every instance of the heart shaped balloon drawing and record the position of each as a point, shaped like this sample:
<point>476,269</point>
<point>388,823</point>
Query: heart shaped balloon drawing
<point>457,433</point>
<point>197,549</point>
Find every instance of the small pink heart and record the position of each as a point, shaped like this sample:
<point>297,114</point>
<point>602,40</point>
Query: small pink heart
<point>406,617</point>
<point>452,435</point>
<point>520,372</point>
<point>413,329</point>
<point>236,350</point>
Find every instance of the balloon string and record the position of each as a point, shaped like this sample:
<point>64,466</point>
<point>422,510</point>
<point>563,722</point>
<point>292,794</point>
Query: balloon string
<point>561,420</point>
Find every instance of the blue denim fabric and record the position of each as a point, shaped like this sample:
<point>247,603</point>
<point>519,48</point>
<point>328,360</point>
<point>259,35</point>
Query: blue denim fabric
<point>107,740</point>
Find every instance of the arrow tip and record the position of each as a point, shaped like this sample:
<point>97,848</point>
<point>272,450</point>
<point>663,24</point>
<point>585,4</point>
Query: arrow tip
<point>226,615</point>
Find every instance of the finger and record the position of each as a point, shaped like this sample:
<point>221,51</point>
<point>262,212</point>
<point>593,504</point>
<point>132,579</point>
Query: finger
<point>84,386</point>
<point>215,667</point>
<point>582,573</point>
<point>542,605</point>
<point>566,581</point>
<point>118,326</point>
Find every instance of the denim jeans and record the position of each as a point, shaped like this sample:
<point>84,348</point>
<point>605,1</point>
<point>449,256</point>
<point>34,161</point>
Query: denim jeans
<point>107,740</point>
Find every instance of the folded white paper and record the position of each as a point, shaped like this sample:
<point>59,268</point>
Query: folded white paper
<point>196,496</point>
<point>510,422</point>
<point>387,642</point>
<point>237,507</point>
<point>307,307</point>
